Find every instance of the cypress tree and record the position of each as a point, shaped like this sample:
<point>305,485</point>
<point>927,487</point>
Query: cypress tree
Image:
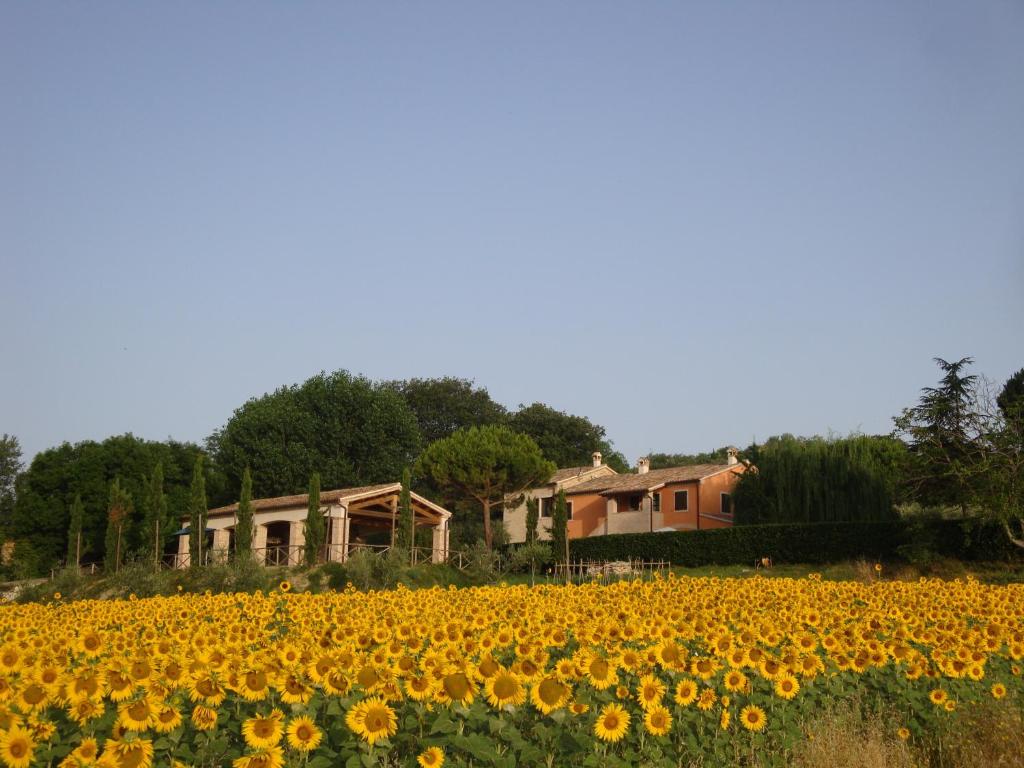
<point>154,514</point>
<point>75,531</point>
<point>119,510</point>
<point>314,526</point>
<point>244,529</point>
<point>560,531</point>
<point>405,535</point>
<point>197,513</point>
<point>532,517</point>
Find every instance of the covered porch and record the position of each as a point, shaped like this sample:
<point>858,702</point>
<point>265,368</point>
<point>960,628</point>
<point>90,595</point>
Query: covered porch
<point>354,518</point>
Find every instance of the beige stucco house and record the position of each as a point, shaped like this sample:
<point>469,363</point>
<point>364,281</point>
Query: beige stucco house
<point>564,479</point>
<point>601,501</point>
<point>351,514</point>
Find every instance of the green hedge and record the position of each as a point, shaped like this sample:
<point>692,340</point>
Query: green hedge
<point>807,543</point>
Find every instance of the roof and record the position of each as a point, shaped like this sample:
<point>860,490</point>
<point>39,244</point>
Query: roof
<point>568,473</point>
<point>302,499</point>
<point>648,481</point>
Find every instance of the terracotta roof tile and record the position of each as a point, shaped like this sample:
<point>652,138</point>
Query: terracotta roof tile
<point>652,479</point>
<point>302,499</point>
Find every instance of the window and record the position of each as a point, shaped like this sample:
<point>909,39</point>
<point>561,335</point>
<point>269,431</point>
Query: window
<point>656,502</point>
<point>547,507</point>
<point>682,501</point>
<point>634,502</point>
<point>726,504</point>
<point>568,510</point>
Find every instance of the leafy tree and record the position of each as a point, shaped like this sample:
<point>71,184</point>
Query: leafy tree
<point>560,529</point>
<point>405,534</point>
<point>314,525</point>
<point>1011,398</point>
<point>155,520</point>
<point>47,488</point>
<point>197,514</point>
<point>532,518</point>
<point>937,432</point>
<point>244,525</point>
<point>819,480</point>
<point>567,440</point>
<point>483,465</point>
<point>10,468</point>
<point>119,510</point>
<point>663,460</point>
<point>350,430</point>
<point>75,531</point>
<point>444,406</point>
<point>998,461</point>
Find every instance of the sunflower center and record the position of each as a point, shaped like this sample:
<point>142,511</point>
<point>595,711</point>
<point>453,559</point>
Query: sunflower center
<point>456,686</point>
<point>551,692</point>
<point>504,687</point>
<point>17,748</point>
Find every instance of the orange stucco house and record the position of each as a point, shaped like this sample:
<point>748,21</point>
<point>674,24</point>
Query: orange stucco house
<point>602,501</point>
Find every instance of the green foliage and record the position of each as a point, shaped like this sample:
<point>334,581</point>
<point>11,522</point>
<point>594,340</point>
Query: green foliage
<point>197,514</point>
<point>937,431</point>
<point>352,431</point>
<point>75,532</point>
<point>970,539</point>
<point>245,530</point>
<point>819,480</point>
<point>483,465</point>
<point>156,523</point>
<point>119,510</point>
<point>567,440</point>
<point>446,405</point>
<point>532,518</point>
<point>1011,398</point>
<point>406,519</point>
<point>665,460</point>
<point>10,468</point>
<point>314,529</point>
<point>41,517</point>
<point>535,556</point>
<point>560,528</point>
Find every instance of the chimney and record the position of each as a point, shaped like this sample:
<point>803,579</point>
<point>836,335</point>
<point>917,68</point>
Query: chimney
<point>732,454</point>
<point>642,465</point>
<point>596,456</point>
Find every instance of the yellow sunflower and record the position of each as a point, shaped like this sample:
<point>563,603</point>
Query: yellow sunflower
<point>549,694</point>
<point>372,719</point>
<point>658,721</point>
<point>431,757</point>
<point>504,688</point>
<point>753,718</point>
<point>263,731</point>
<point>272,757</point>
<point>16,747</point>
<point>611,724</point>
<point>686,692</point>
<point>303,734</point>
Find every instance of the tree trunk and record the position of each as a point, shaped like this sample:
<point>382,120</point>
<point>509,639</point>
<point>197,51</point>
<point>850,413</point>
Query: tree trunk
<point>487,523</point>
<point>1013,539</point>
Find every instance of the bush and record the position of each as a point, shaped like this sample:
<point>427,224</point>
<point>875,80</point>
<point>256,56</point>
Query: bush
<point>968,539</point>
<point>522,559</point>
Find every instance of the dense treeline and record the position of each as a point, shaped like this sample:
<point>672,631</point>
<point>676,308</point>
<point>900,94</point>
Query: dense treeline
<point>349,429</point>
<point>813,480</point>
<point>41,515</point>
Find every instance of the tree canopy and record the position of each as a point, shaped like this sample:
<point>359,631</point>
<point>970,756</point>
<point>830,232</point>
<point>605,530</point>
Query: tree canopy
<point>567,440</point>
<point>483,465</point>
<point>10,468</point>
<point>348,429</point>
<point>819,480</point>
<point>663,460</point>
<point>47,489</point>
<point>444,406</point>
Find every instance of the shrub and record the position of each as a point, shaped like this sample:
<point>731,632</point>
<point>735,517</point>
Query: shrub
<point>969,539</point>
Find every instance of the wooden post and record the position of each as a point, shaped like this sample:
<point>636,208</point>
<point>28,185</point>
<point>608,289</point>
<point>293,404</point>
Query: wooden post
<point>394,514</point>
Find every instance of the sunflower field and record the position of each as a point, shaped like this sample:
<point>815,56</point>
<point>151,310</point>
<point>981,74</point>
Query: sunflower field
<point>655,672</point>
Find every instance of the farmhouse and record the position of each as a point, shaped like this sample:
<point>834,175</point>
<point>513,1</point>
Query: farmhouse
<point>353,517</point>
<point>601,501</point>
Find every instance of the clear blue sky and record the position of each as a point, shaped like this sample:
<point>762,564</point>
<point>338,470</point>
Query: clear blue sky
<point>694,223</point>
